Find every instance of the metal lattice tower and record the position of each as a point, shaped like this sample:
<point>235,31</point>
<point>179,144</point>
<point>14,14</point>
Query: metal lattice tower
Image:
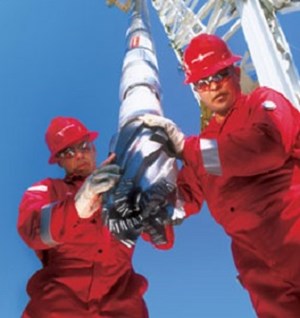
<point>267,55</point>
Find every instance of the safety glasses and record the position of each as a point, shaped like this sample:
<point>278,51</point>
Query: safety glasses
<point>70,152</point>
<point>218,78</point>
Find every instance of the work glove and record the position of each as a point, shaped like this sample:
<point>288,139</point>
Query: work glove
<point>87,199</point>
<point>130,212</point>
<point>155,227</point>
<point>161,203</point>
<point>121,213</point>
<point>157,196</point>
<point>155,206</point>
<point>174,134</point>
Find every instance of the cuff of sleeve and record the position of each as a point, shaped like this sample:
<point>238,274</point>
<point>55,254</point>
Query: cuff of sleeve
<point>191,150</point>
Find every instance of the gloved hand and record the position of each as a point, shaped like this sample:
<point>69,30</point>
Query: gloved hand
<point>130,212</point>
<point>156,197</point>
<point>154,204</point>
<point>154,226</point>
<point>100,181</point>
<point>121,213</point>
<point>176,137</point>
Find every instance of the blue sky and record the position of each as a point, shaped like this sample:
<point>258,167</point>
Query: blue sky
<point>64,57</point>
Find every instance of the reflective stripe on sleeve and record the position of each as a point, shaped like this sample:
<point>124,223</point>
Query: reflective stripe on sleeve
<point>210,156</point>
<point>46,236</point>
<point>41,188</point>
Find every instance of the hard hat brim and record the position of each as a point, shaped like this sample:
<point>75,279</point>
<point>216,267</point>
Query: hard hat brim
<point>200,74</point>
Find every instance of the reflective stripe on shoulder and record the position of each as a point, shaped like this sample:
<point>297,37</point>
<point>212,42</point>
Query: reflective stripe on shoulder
<point>41,187</point>
<point>210,156</point>
<point>46,235</point>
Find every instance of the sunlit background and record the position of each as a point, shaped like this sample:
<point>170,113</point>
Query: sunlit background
<point>64,57</point>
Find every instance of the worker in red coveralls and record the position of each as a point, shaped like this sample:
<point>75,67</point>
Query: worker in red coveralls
<point>86,271</point>
<point>245,164</point>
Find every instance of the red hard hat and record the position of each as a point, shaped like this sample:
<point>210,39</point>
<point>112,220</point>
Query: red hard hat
<point>63,132</point>
<point>205,56</point>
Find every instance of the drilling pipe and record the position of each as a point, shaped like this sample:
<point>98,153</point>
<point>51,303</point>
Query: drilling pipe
<point>143,199</point>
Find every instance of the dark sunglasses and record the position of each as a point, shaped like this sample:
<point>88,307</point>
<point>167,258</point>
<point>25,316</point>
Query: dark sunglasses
<point>70,152</point>
<point>204,83</point>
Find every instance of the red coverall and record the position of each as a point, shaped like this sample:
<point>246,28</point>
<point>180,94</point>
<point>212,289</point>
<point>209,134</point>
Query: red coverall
<point>86,271</point>
<point>247,170</point>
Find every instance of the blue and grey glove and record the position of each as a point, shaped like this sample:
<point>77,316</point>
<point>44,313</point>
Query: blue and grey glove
<point>121,213</point>
<point>156,209</point>
<point>129,213</point>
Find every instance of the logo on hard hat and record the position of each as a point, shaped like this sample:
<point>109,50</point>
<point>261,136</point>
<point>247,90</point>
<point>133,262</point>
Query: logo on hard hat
<point>201,57</point>
<point>62,131</point>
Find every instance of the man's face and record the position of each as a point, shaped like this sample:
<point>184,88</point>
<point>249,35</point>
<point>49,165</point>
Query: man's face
<point>220,91</point>
<point>78,159</point>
